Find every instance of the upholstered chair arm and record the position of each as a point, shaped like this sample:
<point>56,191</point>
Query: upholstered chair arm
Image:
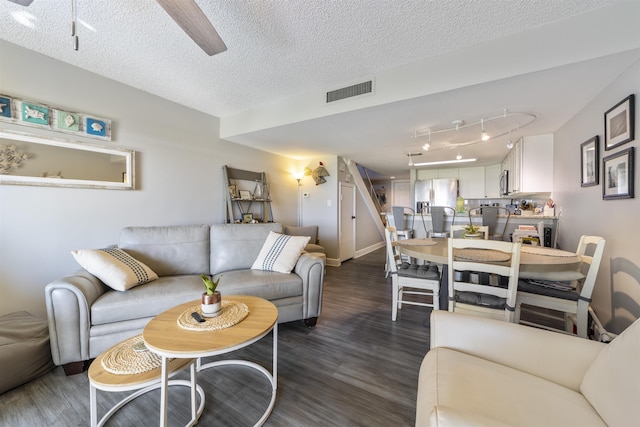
<point>310,267</point>
<point>562,359</point>
<point>69,303</point>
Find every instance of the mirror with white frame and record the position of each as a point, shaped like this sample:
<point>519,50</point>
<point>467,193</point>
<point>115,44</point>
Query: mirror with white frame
<point>35,160</point>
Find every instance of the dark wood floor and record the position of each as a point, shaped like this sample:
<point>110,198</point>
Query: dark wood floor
<point>355,368</point>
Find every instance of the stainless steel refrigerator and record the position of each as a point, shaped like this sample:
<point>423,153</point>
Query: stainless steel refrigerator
<point>435,192</point>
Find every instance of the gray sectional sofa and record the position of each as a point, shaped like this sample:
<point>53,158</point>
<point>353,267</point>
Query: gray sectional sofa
<point>86,317</point>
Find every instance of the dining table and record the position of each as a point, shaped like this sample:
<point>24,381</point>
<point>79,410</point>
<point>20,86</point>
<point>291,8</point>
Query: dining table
<point>535,261</point>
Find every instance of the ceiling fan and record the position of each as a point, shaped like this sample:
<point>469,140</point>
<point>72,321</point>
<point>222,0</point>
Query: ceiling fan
<point>195,23</point>
<point>190,18</point>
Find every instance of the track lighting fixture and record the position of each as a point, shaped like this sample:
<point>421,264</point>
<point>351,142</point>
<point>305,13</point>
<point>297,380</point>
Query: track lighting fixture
<point>427,145</point>
<point>483,135</point>
<point>459,156</point>
<point>510,143</point>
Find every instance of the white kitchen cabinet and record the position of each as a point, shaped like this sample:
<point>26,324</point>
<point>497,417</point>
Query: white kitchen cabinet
<point>472,182</point>
<point>426,174</point>
<point>530,165</point>
<point>448,173</point>
<point>492,181</point>
<point>437,173</point>
<point>536,164</point>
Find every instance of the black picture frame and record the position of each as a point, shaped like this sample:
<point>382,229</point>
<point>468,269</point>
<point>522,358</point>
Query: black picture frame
<point>619,123</point>
<point>617,175</point>
<point>247,217</point>
<point>590,162</point>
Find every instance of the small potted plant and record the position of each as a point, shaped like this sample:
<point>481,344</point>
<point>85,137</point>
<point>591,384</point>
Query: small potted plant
<point>211,299</point>
<point>471,232</point>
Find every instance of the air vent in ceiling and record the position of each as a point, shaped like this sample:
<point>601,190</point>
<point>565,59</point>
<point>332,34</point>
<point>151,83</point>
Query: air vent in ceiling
<point>350,91</point>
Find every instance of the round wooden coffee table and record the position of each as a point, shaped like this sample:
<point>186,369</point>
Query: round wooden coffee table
<point>164,336</point>
<point>144,382</point>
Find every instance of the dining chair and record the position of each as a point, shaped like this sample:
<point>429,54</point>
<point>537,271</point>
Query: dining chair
<point>573,300</point>
<point>410,279</point>
<point>496,265</point>
<point>439,215</point>
<point>490,216</point>
<point>404,230</point>
<point>458,230</point>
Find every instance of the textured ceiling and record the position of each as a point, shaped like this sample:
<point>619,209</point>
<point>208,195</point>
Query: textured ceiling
<point>276,49</point>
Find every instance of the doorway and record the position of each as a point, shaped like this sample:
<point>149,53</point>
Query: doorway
<point>347,225</point>
<point>401,193</point>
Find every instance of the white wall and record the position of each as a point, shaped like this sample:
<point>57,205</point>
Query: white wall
<point>179,176</point>
<point>321,207</point>
<point>616,299</point>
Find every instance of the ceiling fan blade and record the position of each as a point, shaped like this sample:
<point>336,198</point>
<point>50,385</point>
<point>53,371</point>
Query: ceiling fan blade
<point>22,2</point>
<point>195,23</point>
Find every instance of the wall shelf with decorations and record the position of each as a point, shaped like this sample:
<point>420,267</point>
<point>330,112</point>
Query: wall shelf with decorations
<point>247,196</point>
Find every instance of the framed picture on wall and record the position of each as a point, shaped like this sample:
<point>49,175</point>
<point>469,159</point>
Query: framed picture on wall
<point>619,123</point>
<point>589,161</point>
<point>617,175</point>
<point>247,217</point>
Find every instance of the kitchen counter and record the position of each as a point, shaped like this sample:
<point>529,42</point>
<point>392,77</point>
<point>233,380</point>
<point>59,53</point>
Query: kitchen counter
<point>422,223</point>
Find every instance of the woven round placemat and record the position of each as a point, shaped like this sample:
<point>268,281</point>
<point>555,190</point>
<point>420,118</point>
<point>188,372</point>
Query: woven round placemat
<point>233,312</point>
<point>419,242</point>
<point>486,255</point>
<point>122,359</point>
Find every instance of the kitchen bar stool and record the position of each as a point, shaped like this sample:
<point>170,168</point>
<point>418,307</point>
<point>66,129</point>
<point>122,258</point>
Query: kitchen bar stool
<point>490,219</point>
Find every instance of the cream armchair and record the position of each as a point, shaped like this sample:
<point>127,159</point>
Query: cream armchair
<point>485,372</point>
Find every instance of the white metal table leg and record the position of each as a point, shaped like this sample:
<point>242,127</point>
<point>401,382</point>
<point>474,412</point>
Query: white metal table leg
<point>93,405</point>
<point>164,392</point>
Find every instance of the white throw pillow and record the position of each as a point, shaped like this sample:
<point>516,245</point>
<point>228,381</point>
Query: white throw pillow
<point>116,268</point>
<point>280,252</point>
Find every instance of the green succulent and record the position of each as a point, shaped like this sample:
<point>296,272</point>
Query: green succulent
<point>210,285</point>
<point>471,229</point>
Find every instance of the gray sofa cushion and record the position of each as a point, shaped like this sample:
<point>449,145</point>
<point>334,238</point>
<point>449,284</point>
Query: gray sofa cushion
<point>236,246</point>
<point>171,250</point>
<point>268,284</point>
<point>146,300</point>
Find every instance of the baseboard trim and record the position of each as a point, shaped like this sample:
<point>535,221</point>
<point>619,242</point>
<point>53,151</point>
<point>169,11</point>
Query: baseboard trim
<point>368,250</point>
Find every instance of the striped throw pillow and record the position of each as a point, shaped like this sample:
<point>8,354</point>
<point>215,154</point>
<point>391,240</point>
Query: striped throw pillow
<point>280,252</point>
<point>116,268</point>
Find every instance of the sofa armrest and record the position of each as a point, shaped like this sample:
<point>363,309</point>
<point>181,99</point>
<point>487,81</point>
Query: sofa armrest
<point>562,359</point>
<point>310,267</point>
<point>69,303</point>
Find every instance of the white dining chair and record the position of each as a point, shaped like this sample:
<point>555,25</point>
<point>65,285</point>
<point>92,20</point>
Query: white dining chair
<point>496,259</point>
<point>416,280</point>
<point>573,301</point>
